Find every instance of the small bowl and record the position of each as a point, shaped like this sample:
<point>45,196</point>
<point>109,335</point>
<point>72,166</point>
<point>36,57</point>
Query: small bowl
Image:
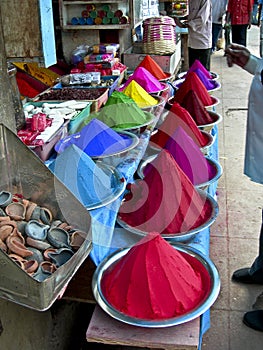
<point>202,186</point>
<point>217,119</point>
<point>189,316</point>
<point>205,149</point>
<point>156,109</point>
<point>169,78</point>
<point>214,75</point>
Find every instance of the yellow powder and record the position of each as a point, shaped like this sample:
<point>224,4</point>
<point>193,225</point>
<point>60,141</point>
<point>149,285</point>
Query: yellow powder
<point>139,95</point>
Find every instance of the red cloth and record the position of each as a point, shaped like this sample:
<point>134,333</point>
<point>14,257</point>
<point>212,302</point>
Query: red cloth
<point>240,11</point>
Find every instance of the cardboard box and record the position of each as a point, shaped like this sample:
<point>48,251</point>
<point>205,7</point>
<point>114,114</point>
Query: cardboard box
<point>134,55</point>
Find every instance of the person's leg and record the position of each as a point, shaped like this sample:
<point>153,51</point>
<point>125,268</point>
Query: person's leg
<point>243,34</point>
<point>203,55</point>
<point>239,34</point>
<point>254,320</point>
<point>216,28</point>
<point>254,274</point>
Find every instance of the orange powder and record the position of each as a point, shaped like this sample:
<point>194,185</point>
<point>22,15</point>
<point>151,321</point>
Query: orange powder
<point>165,200</point>
<point>154,281</point>
<point>153,67</point>
<point>178,116</point>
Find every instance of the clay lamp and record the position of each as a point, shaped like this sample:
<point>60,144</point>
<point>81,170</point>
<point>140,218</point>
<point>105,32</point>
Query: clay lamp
<point>61,256</point>
<point>38,244</point>
<point>58,237</point>
<point>16,211</point>
<point>36,255</point>
<point>76,239</point>
<point>36,230</point>
<point>5,198</point>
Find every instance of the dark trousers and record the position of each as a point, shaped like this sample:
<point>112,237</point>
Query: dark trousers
<point>216,29</point>
<point>258,263</point>
<point>203,55</point>
<point>239,34</point>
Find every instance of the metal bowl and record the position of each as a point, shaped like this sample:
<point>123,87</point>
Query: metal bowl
<point>169,78</point>
<point>156,109</point>
<point>140,128</point>
<point>118,183</point>
<point>203,186</point>
<point>113,159</point>
<point>181,236</point>
<point>217,119</point>
<point>214,75</point>
<point>189,316</point>
<point>215,102</point>
<point>205,149</point>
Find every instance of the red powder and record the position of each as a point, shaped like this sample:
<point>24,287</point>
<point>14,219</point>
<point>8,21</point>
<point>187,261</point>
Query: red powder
<point>154,281</point>
<point>178,116</point>
<point>165,200</point>
<point>26,89</point>
<point>153,67</point>
<point>193,82</point>
<point>192,103</point>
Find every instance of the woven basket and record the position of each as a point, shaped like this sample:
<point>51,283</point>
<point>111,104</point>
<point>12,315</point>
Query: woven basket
<point>159,35</point>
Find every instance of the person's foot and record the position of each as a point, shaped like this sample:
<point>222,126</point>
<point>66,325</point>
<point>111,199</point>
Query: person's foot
<point>244,276</point>
<point>254,320</point>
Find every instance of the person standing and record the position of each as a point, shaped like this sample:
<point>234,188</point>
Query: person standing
<point>239,15</point>
<point>218,11</point>
<point>199,24</point>
<point>260,24</point>
<point>240,55</point>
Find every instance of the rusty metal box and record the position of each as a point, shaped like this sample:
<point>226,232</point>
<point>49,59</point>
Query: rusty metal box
<point>21,171</point>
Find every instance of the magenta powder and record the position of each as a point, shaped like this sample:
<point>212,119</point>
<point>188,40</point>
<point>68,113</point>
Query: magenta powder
<point>189,157</point>
<point>144,78</point>
<point>197,65</point>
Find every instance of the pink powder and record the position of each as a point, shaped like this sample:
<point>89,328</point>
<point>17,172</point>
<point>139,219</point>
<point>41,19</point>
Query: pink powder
<point>144,78</point>
<point>154,281</point>
<point>178,116</point>
<point>165,200</point>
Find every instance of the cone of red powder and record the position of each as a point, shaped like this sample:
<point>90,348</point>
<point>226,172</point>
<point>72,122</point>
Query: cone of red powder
<point>178,116</point>
<point>165,200</point>
<point>193,82</point>
<point>192,103</point>
<point>155,281</point>
<point>153,67</point>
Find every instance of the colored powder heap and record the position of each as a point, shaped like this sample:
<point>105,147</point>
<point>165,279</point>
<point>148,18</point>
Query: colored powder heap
<point>82,176</point>
<point>193,82</point>
<point>165,200</point>
<point>189,157</point>
<point>197,65</point>
<point>178,116</point>
<point>154,281</point>
<point>192,103</point>
<point>121,112</point>
<point>210,84</point>
<point>153,67</point>
<point>97,139</point>
<point>147,81</point>
<point>139,95</point>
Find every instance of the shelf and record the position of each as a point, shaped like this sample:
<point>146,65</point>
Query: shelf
<point>94,26</point>
<point>80,2</point>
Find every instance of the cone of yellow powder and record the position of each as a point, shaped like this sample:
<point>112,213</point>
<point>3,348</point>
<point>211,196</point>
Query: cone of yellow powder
<point>139,95</point>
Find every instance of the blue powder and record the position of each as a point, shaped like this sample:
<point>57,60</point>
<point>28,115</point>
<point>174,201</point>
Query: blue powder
<point>80,174</point>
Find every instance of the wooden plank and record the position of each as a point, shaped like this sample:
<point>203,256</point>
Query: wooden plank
<point>104,329</point>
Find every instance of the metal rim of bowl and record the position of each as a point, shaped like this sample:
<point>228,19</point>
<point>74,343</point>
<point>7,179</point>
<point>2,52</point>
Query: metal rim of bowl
<point>135,141</point>
<point>196,312</point>
<point>214,75</point>
<point>181,236</point>
<point>218,119</point>
<point>118,190</point>
<point>160,99</point>
<point>213,162</point>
